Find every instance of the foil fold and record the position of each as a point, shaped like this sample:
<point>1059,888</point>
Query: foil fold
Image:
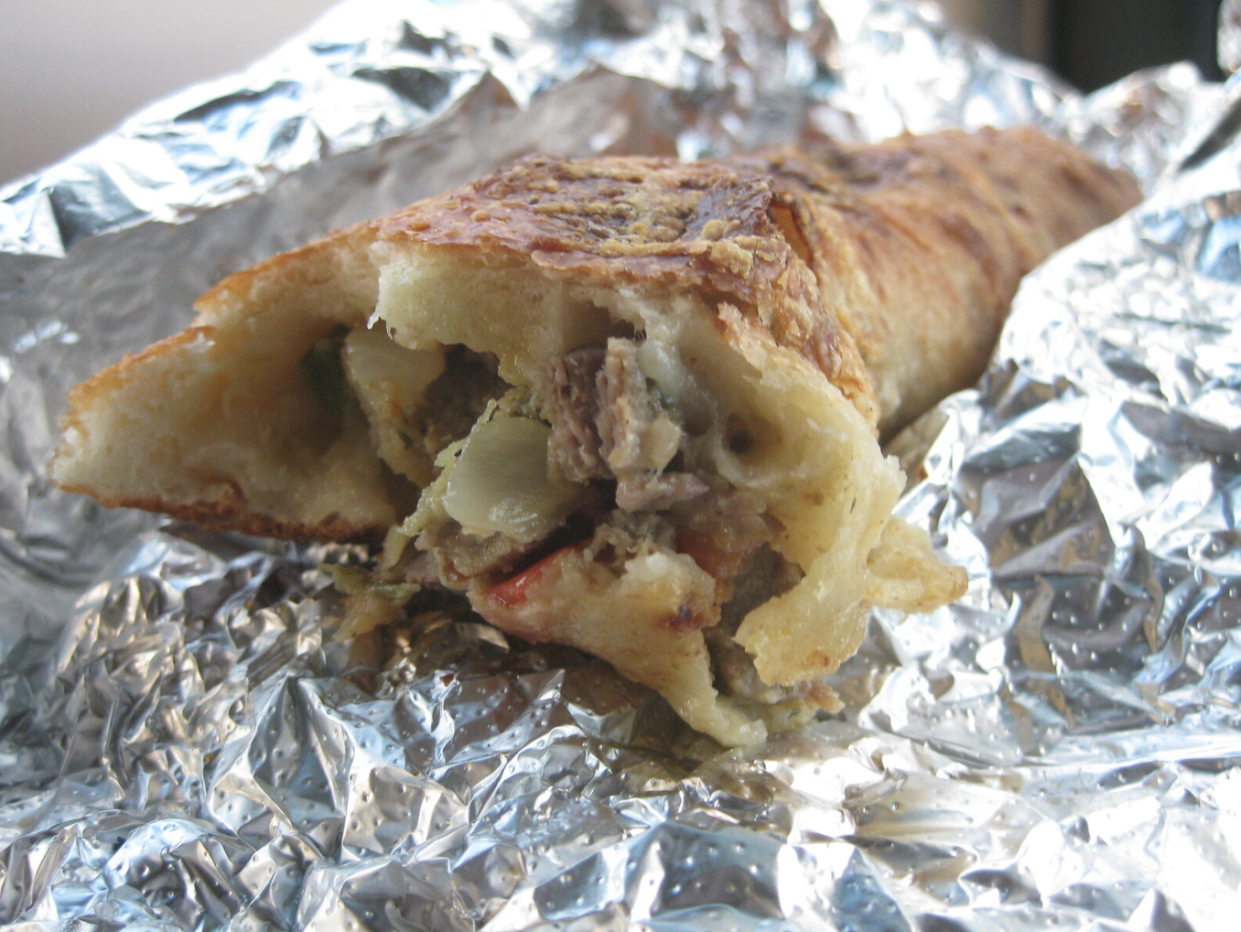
<point>184,745</point>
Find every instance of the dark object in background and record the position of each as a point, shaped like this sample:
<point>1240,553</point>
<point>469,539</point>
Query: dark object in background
<point>1091,43</point>
<point>1095,42</point>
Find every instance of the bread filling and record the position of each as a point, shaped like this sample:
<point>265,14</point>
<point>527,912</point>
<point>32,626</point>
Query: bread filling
<point>602,461</point>
<point>647,477</point>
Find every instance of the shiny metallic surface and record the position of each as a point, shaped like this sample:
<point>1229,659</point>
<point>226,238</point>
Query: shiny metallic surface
<point>184,745</point>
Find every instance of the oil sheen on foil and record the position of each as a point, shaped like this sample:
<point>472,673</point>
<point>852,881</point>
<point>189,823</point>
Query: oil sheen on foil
<point>183,744</point>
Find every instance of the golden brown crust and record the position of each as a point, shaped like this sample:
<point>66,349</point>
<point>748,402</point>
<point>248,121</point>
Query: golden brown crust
<point>144,432</point>
<point>314,265</point>
<point>708,228</point>
<point>917,244</point>
<point>889,268</point>
<point>920,242</point>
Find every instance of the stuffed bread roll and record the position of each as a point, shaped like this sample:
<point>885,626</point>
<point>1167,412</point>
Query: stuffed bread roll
<point>630,405</point>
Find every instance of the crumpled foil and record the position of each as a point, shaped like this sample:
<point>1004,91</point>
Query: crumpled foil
<point>183,745</point>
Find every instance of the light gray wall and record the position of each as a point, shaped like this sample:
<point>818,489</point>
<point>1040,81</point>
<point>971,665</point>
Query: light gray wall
<point>71,70</point>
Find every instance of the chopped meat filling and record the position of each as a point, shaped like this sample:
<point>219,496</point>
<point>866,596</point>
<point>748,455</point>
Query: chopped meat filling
<point>456,399</point>
<point>723,529</point>
<point>572,406</point>
<point>461,555</point>
<point>607,423</point>
<point>613,432</point>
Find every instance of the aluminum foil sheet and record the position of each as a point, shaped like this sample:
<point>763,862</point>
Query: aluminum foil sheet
<point>183,745</point>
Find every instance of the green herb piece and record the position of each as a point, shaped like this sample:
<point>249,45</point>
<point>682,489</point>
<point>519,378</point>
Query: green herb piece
<point>324,372</point>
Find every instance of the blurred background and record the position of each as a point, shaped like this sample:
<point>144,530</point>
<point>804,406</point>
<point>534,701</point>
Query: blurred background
<point>71,70</point>
<point>1091,43</point>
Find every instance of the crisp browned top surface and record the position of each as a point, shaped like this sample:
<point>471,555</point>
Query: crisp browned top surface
<point>889,267</point>
<point>714,229</point>
<point>916,245</point>
<point>707,228</point>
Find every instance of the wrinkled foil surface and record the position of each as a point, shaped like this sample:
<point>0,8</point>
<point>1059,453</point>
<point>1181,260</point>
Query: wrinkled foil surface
<point>183,745</point>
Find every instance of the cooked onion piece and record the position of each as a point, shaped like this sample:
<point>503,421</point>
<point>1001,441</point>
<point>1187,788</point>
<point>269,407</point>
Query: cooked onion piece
<point>389,380</point>
<point>501,482</point>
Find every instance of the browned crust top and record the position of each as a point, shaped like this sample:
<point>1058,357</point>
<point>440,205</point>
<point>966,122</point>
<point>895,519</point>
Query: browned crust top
<point>885,265</point>
<point>822,250</point>
<point>714,229</point>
